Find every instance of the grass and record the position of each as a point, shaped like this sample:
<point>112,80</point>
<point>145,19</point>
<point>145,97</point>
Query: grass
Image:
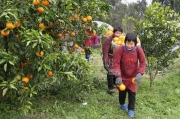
<point>158,102</point>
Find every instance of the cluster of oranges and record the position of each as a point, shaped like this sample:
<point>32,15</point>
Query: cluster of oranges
<point>10,26</point>
<point>119,40</point>
<point>75,47</point>
<point>85,19</point>
<point>109,32</point>
<point>27,78</point>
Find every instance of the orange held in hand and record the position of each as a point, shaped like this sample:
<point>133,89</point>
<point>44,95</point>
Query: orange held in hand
<point>121,87</point>
<point>133,81</point>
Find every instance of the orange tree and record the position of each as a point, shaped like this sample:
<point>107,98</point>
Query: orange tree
<point>37,45</point>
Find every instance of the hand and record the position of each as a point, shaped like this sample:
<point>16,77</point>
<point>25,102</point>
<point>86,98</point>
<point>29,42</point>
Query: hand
<point>118,81</point>
<point>106,66</point>
<point>138,78</point>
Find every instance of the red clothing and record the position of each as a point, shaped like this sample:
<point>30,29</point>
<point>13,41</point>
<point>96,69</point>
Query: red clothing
<point>88,42</point>
<point>126,64</point>
<point>107,50</point>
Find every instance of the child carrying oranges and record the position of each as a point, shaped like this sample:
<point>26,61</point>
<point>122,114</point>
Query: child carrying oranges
<point>128,62</point>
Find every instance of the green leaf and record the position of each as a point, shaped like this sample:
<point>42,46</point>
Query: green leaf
<point>12,86</point>
<point>39,69</point>
<point>34,45</point>
<point>2,61</point>
<point>11,63</point>
<point>5,91</point>
<point>5,67</point>
<point>28,43</point>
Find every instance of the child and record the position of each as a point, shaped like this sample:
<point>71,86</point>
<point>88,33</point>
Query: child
<point>88,43</point>
<point>128,62</point>
<point>107,57</point>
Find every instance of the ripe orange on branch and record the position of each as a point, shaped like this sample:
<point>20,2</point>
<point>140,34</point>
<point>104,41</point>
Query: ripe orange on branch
<point>17,24</point>
<point>50,73</point>
<point>25,79</point>
<point>40,10</point>
<point>42,26</point>
<point>73,34</point>
<point>10,25</point>
<point>89,18</point>
<point>84,20</point>
<point>36,2</point>
<point>76,46</point>
<point>4,33</point>
<point>60,35</point>
<point>39,54</point>
<point>82,50</point>
<point>45,3</point>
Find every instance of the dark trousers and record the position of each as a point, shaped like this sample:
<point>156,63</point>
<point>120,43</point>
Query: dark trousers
<point>87,55</point>
<point>111,81</point>
<point>131,98</point>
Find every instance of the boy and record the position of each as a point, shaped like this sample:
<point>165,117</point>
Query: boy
<point>128,62</point>
<point>107,58</point>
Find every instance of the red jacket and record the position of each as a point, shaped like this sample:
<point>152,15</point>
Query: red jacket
<point>127,64</point>
<point>107,50</point>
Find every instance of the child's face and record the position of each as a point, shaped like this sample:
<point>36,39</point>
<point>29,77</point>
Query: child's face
<point>130,45</point>
<point>117,34</point>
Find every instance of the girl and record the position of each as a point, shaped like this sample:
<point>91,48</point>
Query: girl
<point>128,62</point>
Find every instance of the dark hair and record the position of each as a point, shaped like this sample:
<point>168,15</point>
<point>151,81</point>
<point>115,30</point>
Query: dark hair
<point>131,37</point>
<point>117,29</point>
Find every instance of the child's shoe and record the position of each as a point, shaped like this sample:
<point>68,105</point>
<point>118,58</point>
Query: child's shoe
<point>124,107</point>
<point>131,113</point>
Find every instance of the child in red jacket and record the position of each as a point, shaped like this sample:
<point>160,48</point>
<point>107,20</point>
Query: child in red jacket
<point>128,62</point>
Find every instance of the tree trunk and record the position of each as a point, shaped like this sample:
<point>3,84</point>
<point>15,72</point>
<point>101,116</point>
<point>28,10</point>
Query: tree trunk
<point>1,93</point>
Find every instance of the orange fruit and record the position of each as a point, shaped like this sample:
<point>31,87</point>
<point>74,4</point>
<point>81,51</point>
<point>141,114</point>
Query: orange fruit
<point>36,2</point>
<point>10,25</point>
<point>89,18</point>
<point>66,34</point>
<point>4,33</point>
<point>51,24</point>
<point>122,87</point>
<point>76,46</point>
<point>73,34</point>
<point>25,79</point>
<point>42,53</point>
<point>60,35</point>
<point>17,24</point>
<point>133,81</point>
<point>45,3</point>
<point>84,20</point>
<point>76,16</point>
<point>30,76</point>
<point>25,89</point>
<point>82,50</point>
<point>40,10</point>
<point>39,54</point>
<point>42,26</point>
<point>50,73</point>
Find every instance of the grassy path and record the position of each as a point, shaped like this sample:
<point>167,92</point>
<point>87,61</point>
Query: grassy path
<point>159,102</point>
